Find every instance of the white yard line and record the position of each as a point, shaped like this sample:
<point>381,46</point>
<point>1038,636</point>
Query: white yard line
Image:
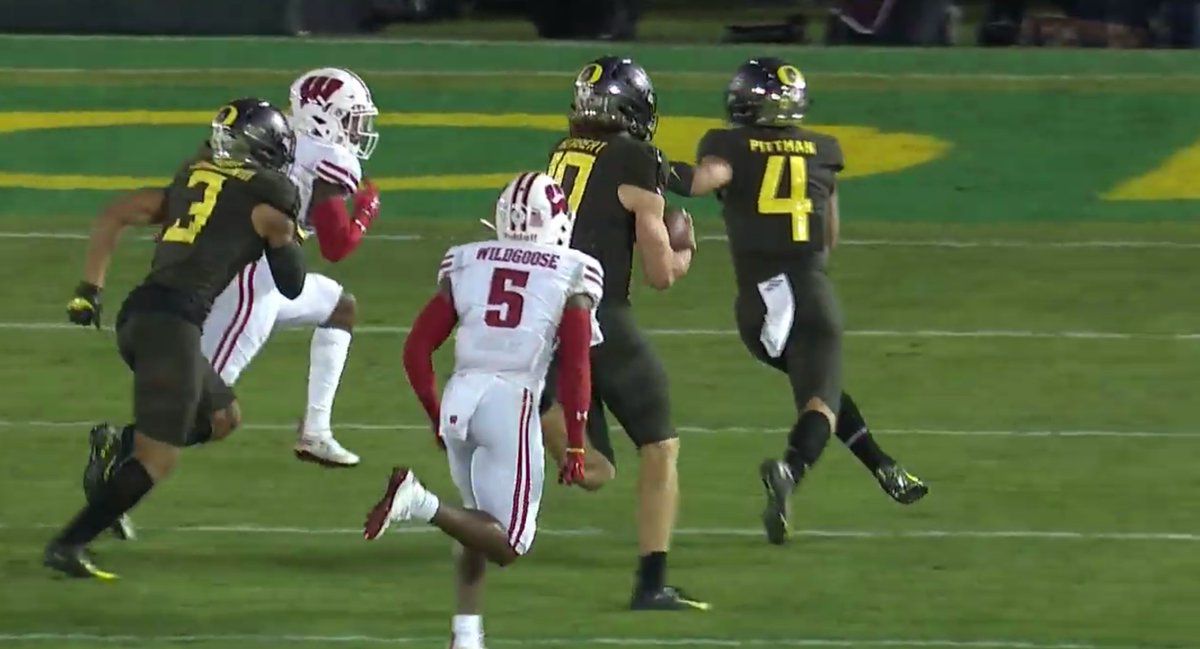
<point>698,430</point>
<point>1028,535</point>
<point>953,244</point>
<point>860,333</point>
<point>652,641</point>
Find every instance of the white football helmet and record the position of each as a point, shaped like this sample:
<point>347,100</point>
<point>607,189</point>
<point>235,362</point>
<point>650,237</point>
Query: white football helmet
<point>335,106</point>
<point>533,207</point>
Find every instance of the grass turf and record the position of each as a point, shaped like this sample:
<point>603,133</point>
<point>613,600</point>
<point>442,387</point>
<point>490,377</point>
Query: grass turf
<point>1051,540</point>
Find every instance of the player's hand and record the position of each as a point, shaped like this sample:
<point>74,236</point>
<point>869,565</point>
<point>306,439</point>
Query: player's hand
<point>366,204</point>
<point>84,308</point>
<point>572,468</point>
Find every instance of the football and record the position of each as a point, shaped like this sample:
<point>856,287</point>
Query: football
<point>679,228</point>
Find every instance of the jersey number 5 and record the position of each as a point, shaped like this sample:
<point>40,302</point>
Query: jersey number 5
<point>560,162</point>
<point>185,228</point>
<point>796,203</point>
<point>504,304</point>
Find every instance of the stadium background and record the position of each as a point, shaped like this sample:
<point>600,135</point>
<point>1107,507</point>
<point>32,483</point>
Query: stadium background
<point>1018,277</point>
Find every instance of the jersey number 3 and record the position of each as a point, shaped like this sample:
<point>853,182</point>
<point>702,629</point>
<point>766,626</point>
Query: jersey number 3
<point>185,228</point>
<point>560,162</point>
<point>506,305</point>
<point>796,203</point>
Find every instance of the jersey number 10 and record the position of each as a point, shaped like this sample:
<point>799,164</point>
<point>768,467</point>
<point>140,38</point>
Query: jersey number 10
<point>796,203</point>
<point>505,305</point>
<point>185,228</point>
<point>582,163</point>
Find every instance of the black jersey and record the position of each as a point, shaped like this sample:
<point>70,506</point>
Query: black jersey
<point>590,171</point>
<point>776,209</point>
<point>209,235</point>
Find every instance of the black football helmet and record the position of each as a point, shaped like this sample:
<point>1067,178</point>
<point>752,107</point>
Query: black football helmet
<point>766,92</point>
<point>615,92</point>
<point>252,131</point>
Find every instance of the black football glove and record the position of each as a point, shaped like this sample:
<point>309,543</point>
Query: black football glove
<point>84,308</point>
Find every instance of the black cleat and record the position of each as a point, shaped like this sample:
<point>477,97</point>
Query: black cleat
<point>667,598</point>
<point>902,486</point>
<point>778,481</point>
<point>104,454</point>
<point>73,561</point>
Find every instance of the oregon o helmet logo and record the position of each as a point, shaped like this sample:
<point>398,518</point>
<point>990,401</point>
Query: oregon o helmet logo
<point>591,73</point>
<point>226,115</point>
<point>790,75</point>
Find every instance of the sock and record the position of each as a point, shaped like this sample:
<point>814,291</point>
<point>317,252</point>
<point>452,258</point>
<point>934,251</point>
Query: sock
<point>327,359</point>
<point>425,505</point>
<point>115,497</point>
<point>853,431</point>
<point>652,571</point>
<point>806,441</point>
<point>468,631</point>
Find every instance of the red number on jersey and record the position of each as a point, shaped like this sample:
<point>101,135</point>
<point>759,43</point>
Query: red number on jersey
<point>506,303</point>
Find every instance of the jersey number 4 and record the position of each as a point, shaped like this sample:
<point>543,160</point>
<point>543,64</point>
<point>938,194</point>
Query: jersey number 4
<point>563,161</point>
<point>796,204</point>
<point>506,305</point>
<point>185,228</point>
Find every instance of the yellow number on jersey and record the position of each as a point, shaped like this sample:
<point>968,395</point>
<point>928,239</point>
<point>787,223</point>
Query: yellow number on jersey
<point>583,165</point>
<point>797,203</point>
<point>199,211</point>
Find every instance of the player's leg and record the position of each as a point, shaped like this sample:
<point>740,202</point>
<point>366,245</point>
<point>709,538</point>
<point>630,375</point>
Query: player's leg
<point>241,321</point>
<point>325,305</point>
<point>168,387</point>
<point>900,485</point>
<point>466,627</point>
<point>632,383</point>
<point>599,460</point>
<point>812,357</point>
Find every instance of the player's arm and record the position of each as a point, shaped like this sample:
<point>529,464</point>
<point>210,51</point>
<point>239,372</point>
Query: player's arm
<point>284,256</point>
<point>835,219</point>
<point>575,380</point>
<point>340,231</point>
<point>710,174</point>
<point>431,328</point>
<point>146,206</point>
<point>661,265</point>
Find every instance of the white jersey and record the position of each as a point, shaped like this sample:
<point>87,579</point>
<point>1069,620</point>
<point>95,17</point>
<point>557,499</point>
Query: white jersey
<point>317,160</point>
<point>510,298</point>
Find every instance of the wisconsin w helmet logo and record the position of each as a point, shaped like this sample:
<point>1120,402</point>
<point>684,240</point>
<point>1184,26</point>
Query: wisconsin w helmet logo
<point>318,89</point>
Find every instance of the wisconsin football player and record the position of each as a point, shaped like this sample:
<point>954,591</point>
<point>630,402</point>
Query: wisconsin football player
<point>777,183</point>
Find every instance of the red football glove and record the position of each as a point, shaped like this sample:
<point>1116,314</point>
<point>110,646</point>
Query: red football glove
<point>572,469</point>
<point>366,204</point>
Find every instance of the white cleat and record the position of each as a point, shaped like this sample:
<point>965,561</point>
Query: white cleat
<point>397,503</point>
<point>324,450</point>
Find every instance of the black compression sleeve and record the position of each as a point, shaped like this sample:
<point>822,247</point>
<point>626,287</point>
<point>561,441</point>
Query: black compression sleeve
<point>287,268</point>
<point>680,180</point>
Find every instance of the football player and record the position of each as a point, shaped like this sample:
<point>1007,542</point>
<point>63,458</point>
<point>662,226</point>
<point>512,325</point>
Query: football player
<point>614,178</point>
<point>777,183</point>
<point>511,299</point>
<point>220,213</point>
<point>333,114</point>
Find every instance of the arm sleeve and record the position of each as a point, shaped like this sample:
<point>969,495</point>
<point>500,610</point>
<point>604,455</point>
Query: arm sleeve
<point>278,191</point>
<point>574,373</point>
<point>710,144</point>
<point>832,154</point>
<point>431,328</point>
<point>680,180</point>
<point>642,165</point>
<point>287,269</point>
<point>337,233</point>
<point>342,169</point>
<point>448,265</point>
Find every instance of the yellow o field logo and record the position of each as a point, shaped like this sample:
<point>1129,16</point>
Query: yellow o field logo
<point>868,150</point>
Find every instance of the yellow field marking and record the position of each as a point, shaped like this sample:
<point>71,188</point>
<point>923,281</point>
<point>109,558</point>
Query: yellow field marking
<point>868,150</point>
<point>1174,179</point>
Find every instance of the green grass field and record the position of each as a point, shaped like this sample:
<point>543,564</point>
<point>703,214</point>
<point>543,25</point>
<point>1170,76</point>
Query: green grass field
<point>1022,334</point>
